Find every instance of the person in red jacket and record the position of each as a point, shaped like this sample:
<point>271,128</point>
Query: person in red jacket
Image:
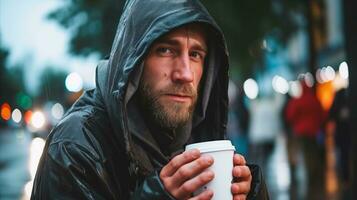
<point>305,117</point>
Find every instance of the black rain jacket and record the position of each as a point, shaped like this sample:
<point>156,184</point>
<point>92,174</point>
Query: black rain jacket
<point>102,148</point>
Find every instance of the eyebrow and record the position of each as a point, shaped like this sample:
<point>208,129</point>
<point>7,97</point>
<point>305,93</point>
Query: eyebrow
<point>173,42</point>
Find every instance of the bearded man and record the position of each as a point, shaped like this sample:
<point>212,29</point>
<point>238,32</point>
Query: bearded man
<point>163,87</point>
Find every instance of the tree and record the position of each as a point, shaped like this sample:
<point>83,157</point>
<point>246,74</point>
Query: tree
<point>92,24</point>
<point>245,24</point>
<point>11,79</point>
<point>12,87</point>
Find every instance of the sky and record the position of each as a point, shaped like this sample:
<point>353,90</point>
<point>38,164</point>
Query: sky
<point>37,42</point>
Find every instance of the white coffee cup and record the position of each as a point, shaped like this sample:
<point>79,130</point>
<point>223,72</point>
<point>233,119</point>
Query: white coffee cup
<point>222,152</point>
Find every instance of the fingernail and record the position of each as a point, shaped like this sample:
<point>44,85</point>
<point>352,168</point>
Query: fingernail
<point>209,193</point>
<point>210,174</point>
<point>243,159</point>
<point>195,153</point>
<point>209,159</point>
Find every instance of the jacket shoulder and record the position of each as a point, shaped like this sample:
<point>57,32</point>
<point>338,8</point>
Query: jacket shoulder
<point>77,129</point>
<point>75,163</point>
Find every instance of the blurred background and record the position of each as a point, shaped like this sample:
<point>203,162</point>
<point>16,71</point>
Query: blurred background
<point>292,85</point>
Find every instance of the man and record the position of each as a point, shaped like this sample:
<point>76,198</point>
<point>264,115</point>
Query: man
<point>306,117</point>
<point>164,86</point>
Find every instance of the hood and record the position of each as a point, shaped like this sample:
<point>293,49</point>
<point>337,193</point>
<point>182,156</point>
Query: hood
<point>142,22</point>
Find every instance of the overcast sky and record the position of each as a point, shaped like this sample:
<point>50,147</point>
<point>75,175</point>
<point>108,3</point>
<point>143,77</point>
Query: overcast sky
<point>38,42</point>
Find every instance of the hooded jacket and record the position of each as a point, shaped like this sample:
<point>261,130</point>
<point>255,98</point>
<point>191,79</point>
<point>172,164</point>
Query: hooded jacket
<point>103,148</point>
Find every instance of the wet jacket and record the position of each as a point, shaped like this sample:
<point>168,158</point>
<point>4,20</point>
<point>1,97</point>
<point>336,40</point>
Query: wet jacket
<point>102,148</point>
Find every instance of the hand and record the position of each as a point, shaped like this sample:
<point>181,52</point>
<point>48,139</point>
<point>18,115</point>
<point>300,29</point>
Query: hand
<point>243,178</point>
<point>185,174</point>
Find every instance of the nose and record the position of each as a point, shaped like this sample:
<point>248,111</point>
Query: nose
<point>182,71</point>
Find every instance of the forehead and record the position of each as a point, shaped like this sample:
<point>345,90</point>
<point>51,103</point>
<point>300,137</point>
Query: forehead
<point>195,32</point>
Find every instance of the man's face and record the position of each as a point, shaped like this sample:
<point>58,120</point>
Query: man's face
<point>172,71</point>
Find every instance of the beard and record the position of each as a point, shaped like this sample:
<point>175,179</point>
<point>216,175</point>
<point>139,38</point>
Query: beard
<point>167,114</point>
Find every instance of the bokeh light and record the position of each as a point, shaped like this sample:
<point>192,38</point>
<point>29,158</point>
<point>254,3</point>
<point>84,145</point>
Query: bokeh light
<point>323,75</point>
<point>343,70</point>
<point>38,119</point>
<point>330,73</point>
<point>309,79</point>
<point>28,116</point>
<point>36,149</point>
<point>325,93</point>
<point>318,76</point>
<point>280,84</point>
<point>57,111</point>
<point>16,115</point>
<point>295,89</point>
<point>5,111</point>
<point>251,88</point>
<point>74,82</point>
<point>23,100</point>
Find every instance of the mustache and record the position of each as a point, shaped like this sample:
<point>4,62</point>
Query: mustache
<point>179,89</point>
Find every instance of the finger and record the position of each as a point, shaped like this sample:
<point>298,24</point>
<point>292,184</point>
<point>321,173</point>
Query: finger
<point>240,188</point>
<point>240,197</point>
<point>206,195</point>
<point>178,161</point>
<point>192,169</point>
<point>241,172</point>
<point>194,184</point>
<point>239,160</point>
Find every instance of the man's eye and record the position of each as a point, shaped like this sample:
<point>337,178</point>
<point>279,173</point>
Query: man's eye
<point>196,55</point>
<point>164,51</point>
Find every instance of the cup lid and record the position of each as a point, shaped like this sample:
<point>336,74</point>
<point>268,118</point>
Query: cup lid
<point>216,145</point>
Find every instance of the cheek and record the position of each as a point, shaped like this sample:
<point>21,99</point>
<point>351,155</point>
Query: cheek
<point>158,68</point>
<point>154,71</point>
<point>155,79</point>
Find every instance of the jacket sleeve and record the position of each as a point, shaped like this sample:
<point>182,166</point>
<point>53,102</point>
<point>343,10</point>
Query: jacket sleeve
<point>70,171</point>
<point>258,190</point>
<point>151,189</point>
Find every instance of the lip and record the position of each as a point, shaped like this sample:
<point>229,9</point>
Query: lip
<point>179,97</point>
